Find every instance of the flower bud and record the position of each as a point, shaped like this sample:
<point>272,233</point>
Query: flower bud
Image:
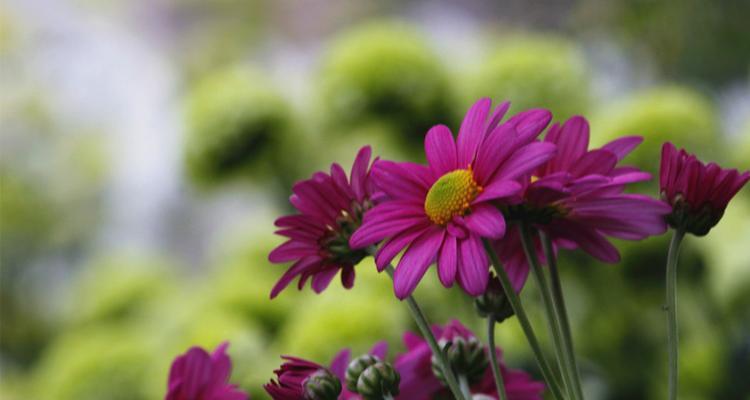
<point>355,369</point>
<point>378,380</point>
<point>322,385</point>
<point>698,222</point>
<point>466,357</point>
<point>493,302</point>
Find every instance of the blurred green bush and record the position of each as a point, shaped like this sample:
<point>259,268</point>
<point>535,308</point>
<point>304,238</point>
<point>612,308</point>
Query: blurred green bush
<point>384,72</point>
<point>237,124</point>
<point>670,113</point>
<point>533,71</point>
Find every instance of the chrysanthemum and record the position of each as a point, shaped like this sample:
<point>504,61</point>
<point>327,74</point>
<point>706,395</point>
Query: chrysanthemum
<point>330,208</point>
<point>197,375</point>
<point>577,198</point>
<point>697,193</point>
<point>441,211</point>
<point>418,381</point>
<point>302,379</point>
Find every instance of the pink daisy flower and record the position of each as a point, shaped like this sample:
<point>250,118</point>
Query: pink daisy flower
<point>441,211</point>
<point>419,383</point>
<point>197,375</point>
<point>330,208</point>
<point>577,198</point>
<point>697,193</point>
<point>293,377</point>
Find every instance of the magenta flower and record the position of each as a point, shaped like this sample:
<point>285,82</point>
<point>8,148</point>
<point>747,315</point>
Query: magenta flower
<point>419,383</point>
<point>697,193</point>
<point>196,375</point>
<point>330,208</point>
<point>298,379</point>
<point>577,198</point>
<point>441,211</point>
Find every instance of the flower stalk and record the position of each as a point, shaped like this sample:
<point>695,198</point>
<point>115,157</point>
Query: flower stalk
<point>562,312</point>
<point>424,327</point>
<point>551,311</point>
<point>671,309</point>
<point>496,373</point>
<point>523,320</point>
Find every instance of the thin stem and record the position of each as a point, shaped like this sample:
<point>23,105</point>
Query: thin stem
<point>387,396</point>
<point>562,312</point>
<point>671,309</point>
<point>464,384</point>
<point>552,317</point>
<point>424,327</point>
<point>523,320</point>
<point>493,359</point>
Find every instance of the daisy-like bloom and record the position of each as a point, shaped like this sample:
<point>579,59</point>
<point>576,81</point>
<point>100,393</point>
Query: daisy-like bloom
<point>330,208</point>
<point>197,375</point>
<point>697,193</point>
<point>441,211</point>
<point>577,198</point>
<point>418,381</point>
<point>299,379</point>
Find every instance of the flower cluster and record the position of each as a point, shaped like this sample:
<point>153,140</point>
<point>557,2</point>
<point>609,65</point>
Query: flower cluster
<point>417,381</point>
<point>504,194</point>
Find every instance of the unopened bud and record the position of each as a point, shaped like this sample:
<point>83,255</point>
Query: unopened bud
<point>377,381</point>
<point>465,356</point>
<point>322,385</point>
<point>355,369</point>
<point>493,302</point>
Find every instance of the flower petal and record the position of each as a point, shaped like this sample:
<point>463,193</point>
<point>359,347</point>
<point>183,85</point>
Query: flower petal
<point>440,149</point>
<point>486,221</point>
<point>473,269</point>
<point>359,172</point>
<point>472,131</point>
<point>448,261</point>
<point>525,160</point>
<point>498,189</point>
<point>623,146</point>
<point>415,261</point>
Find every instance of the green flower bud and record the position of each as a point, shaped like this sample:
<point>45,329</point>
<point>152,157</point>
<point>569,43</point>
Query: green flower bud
<point>322,385</point>
<point>377,381</point>
<point>355,369</point>
<point>466,357</point>
<point>493,302</point>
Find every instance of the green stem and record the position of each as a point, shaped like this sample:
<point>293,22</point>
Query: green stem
<point>671,308</point>
<point>562,312</point>
<point>465,388</point>
<point>523,320</point>
<point>424,327</point>
<point>552,318</point>
<point>496,373</point>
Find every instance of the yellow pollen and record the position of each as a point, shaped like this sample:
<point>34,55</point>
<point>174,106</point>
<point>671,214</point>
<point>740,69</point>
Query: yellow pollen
<point>534,178</point>
<point>451,195</point>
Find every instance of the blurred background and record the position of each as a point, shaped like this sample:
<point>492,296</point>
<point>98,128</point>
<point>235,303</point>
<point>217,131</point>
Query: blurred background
<point>148,145</point>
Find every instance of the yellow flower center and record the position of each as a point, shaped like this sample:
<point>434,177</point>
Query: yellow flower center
<point>451,195</point>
